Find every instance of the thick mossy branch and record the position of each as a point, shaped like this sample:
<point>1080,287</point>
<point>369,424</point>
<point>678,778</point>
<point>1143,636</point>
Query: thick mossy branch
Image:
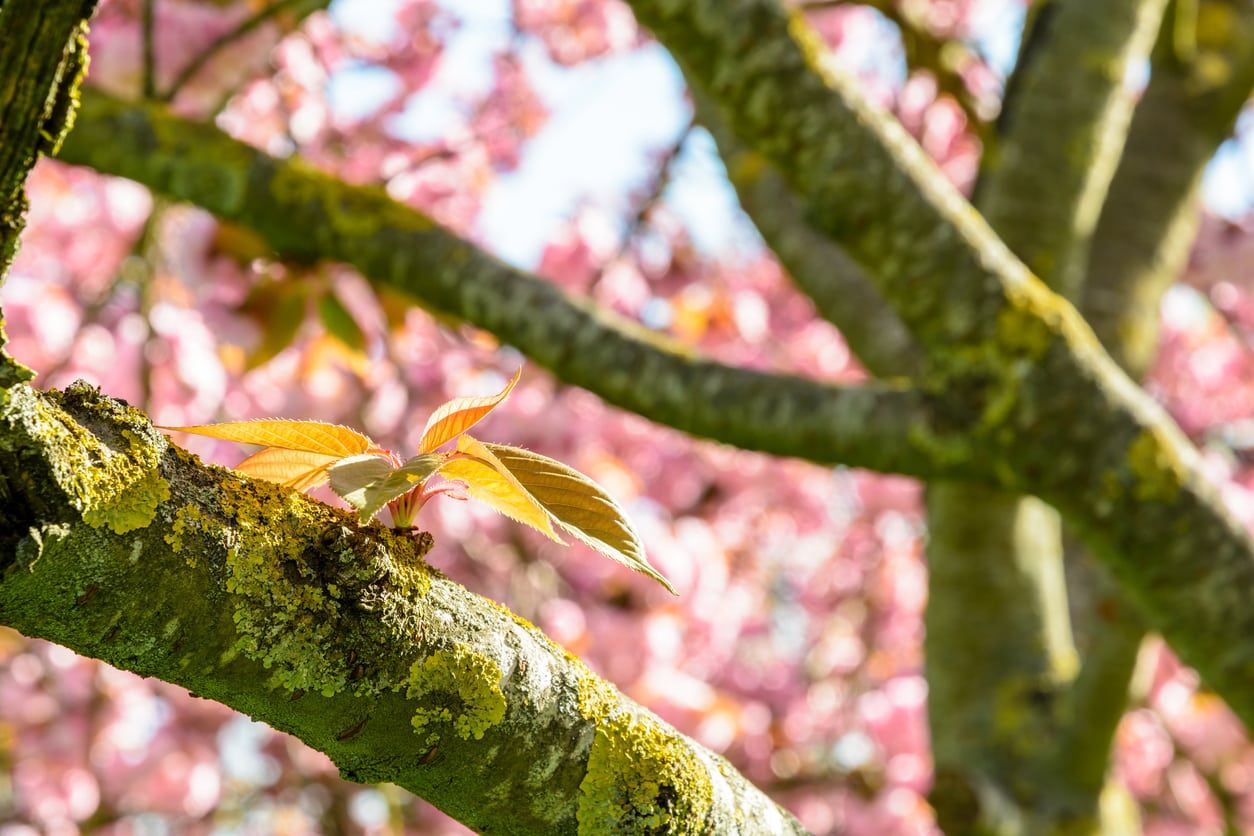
<point>994,558</point>
<point>120,546</point>
<point>1036,405</point>
<point>43,55</point>
<point>1044,187</point>
<point>306,214</point>
<point>1142,241</point>
<point>1150,217</point>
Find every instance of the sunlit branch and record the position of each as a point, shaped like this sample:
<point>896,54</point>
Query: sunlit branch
<point>1018,367</point>
<point>124,548</point>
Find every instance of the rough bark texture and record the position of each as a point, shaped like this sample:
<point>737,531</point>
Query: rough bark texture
<point>43,55</point>
<point>117,544</point>
<point>1013,391</point>
<point>1036,406</point>
<point>1141,244</point>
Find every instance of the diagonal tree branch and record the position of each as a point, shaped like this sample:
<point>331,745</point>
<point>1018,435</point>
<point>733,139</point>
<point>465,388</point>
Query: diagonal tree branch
<point>305,214</point>
<point>997,558</point>
<point>1026,391</point>
<point>1141,244</point>
<point>838,286</point>
<point>1021,371</point>
<point>119,545</point>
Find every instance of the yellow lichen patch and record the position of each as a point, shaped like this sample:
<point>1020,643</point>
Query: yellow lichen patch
<point>186,520</point>
<point>458,686</point>
<point>115,483</point>
<point>642,778</point>
<point>1158,474</point>
<point>286,624</point>
<point>134,506</point>
<point>597,698</point>
<point>1054,314</point>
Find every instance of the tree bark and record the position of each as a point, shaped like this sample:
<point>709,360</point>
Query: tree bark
<point>43,56</point>
<point>305,214</point>
<point>1026,380</point>
<point>120,546</point>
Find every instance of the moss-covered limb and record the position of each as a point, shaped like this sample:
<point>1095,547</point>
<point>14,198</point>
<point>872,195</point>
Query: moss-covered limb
<point>1142,241</point>
<point>306,214</point>
<point>119,545</point>
<point>1045,185</point>
<point>839,287</point>
<point>42,58</point>
<point>1149,220</point>
<point>1035,405</point>
<point>996,560</point>
<point>1143,238</point>
<point>998,653</point>
<point>43,55</point>
<point>1022,373</point>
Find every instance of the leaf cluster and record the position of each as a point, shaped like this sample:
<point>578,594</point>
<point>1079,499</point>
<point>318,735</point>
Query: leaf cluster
<point>525,486</point>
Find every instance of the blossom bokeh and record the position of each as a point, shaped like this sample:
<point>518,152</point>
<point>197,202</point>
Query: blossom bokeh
<point>794,647</point>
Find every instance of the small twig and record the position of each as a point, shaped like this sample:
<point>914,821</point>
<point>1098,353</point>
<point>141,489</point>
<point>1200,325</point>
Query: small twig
<point>93,309</point>
<point>150,48</point>
<point>657,187</point>
<point>245,27</point>
<point>926,51</point>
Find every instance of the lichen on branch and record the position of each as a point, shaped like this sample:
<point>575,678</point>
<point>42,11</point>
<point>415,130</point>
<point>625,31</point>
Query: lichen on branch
<point>337,632</point>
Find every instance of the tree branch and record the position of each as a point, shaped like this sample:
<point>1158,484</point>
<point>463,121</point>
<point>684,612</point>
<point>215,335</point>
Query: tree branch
<point>1027,394</point>
<point>1017,366</point>
<point>119,545</point>
<point>997,558</point>
<point>303,213</point>
<point>1147,227</point>
<point>838,286</point>
<point>43,56</point>
<point>1141,244</point>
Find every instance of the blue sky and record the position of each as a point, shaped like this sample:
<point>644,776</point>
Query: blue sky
<point>609,120</point>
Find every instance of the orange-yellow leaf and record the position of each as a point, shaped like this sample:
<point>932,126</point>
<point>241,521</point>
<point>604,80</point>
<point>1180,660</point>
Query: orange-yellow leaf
<point>580,506</point>
<point>490,482</point>
<point>306,436</point>
<point>459,415</point>
<point>294,468</point>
